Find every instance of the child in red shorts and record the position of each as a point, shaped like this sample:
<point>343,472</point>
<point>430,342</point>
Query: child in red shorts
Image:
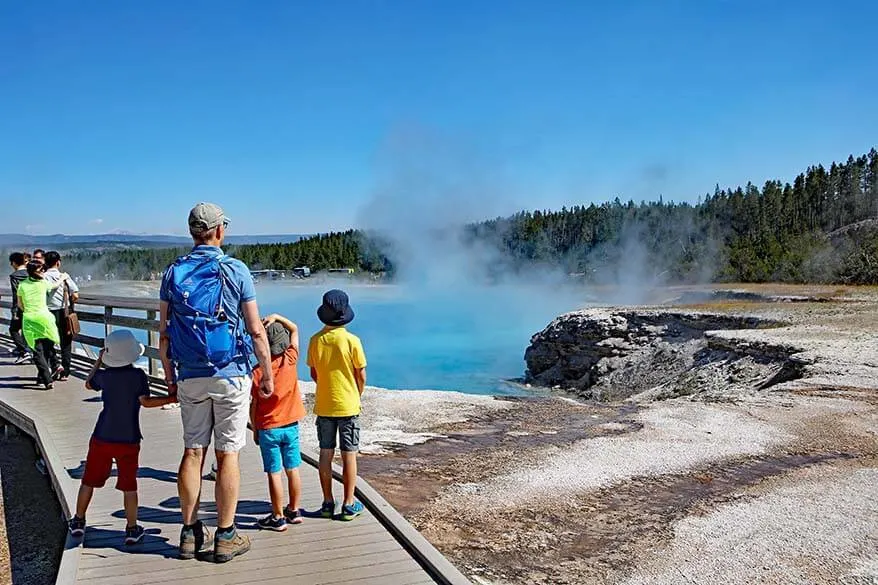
<point>124,389</point>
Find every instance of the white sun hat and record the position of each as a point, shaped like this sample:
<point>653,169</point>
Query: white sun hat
<point>123,349</point>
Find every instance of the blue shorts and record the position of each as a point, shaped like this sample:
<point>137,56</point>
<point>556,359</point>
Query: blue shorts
<point>280,448</point>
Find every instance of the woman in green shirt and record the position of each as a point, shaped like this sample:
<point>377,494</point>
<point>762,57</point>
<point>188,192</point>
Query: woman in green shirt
<point>38,323</point>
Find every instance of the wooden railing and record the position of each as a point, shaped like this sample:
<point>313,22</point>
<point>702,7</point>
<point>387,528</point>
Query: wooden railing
<point>105,311</point>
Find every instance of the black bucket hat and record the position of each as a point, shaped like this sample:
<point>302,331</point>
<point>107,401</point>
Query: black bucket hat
<point>336,310</point>
<point>278,338</point>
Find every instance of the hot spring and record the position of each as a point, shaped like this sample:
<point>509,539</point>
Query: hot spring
<point>469,339</point>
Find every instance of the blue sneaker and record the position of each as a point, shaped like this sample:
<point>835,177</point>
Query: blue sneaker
<point>272,523</point>
<point>76,526</point>
<point>293,516</point>
<point>351,511</point>
<point>327,510</point>
<point>134,535</point>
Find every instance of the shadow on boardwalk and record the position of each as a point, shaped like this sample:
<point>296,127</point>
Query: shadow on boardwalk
<point>142,473</point>
<point>152,543</point>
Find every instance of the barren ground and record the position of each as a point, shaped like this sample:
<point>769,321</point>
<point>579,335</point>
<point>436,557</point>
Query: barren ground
<point>33,523</point>
<point>5,560</point>
<point>772,487</point>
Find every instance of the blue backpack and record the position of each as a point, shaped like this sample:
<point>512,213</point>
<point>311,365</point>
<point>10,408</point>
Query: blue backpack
<point>199,328</point>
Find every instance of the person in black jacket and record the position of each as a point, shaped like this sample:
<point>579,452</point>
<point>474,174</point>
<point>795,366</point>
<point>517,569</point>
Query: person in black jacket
<point>18,261</point>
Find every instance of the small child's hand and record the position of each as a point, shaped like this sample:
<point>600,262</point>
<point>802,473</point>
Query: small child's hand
<point>270,319</point>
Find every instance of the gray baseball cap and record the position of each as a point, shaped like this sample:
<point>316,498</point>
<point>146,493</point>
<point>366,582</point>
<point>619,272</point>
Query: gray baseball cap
<point>278,338</point>
<point>206,216</point>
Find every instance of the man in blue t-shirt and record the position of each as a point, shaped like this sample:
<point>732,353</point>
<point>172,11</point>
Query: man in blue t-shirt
<point>214,400</point>
<point>116,437</point>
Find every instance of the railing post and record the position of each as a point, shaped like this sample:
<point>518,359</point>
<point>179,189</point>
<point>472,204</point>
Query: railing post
<point>153,341</point>
<point>108,312</point>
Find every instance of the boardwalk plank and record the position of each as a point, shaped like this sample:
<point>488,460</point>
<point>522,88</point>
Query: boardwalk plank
<point>282,548</point>
<point>274,546</point>
<point>299,564</point>
<point>414,578</point>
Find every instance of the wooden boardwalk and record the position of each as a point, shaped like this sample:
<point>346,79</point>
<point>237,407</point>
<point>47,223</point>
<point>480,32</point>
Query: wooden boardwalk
<point>365,551</point>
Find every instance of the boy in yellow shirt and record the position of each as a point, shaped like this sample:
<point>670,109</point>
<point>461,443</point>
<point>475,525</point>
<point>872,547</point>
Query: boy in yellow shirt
<point>338,365</point>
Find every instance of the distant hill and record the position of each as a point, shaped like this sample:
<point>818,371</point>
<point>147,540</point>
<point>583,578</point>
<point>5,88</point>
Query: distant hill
<point>128,240</point>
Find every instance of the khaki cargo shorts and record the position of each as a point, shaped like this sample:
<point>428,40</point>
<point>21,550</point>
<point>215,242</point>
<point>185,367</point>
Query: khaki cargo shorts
<point>218,406</point>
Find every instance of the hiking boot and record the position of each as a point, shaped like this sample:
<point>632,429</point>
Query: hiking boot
<point>76,526</point>
<point>134,535</point>
<point>351,511</point>
<point>327,509</point>
<point>213,471</point>
<point>195,541</point>
<point>272,523</point>
<point>293,516</point>
<point>230,545</point>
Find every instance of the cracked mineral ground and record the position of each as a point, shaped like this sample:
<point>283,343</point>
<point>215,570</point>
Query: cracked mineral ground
<point>749,453</point>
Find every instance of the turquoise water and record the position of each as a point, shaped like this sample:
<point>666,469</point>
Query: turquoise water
<point>467,340</point>
<point>470,339</point>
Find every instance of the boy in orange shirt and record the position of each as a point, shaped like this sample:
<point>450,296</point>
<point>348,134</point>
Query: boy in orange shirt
<point>275,422</point>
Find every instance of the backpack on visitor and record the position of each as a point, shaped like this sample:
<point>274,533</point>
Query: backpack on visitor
<point>201,334</point>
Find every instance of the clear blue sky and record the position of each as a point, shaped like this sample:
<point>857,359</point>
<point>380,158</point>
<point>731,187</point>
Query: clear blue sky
<point>122,114</point>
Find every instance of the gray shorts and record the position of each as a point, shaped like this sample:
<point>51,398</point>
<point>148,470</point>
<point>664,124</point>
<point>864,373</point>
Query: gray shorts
<point>346,428</point>
<point>215,406</point>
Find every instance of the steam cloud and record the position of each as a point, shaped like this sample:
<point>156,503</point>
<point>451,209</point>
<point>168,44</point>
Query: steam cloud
<point>431,187</point>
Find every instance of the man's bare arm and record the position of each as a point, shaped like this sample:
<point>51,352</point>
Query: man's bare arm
<point>260,345</point>
<point>164,349</point>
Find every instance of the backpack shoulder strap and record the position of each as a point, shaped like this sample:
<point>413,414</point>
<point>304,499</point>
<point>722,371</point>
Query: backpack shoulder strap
<point>190,256</point>
<point>174,264</point>
<point>226,261</point>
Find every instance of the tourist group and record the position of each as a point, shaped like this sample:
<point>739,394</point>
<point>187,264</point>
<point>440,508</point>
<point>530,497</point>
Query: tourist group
<point>228,368</point>
<point>42,305</point>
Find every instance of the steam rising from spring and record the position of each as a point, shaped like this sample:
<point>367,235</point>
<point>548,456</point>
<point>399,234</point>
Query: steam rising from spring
<point>429,189</point>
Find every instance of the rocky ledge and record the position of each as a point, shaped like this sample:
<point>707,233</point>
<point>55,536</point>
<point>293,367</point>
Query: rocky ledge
<point>613,354</point>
